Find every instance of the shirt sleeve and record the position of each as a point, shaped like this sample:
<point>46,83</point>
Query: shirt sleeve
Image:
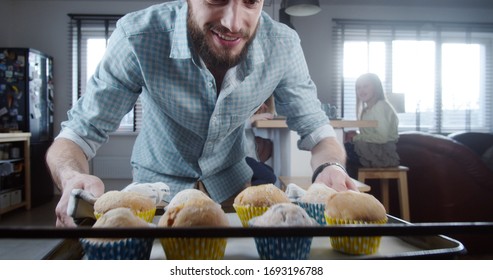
<point>296,98</point>
<point>110,94</point>
<point>88,147</point>
<point>308,142</point>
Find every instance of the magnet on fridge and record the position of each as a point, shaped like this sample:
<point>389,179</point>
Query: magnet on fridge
<point>19,75</point>
<point>10,55</point>
<point>19,94</point>
<point>3,111</point>
<point>13,112</point>
<point>21,60</point>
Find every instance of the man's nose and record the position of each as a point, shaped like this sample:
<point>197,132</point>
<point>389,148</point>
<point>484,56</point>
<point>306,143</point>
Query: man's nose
<point>232,16</point>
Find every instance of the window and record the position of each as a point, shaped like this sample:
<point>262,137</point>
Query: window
<point>443,71</point>
<point>89,35</point>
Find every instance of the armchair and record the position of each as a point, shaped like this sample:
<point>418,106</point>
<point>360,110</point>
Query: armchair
<point>448,182</point>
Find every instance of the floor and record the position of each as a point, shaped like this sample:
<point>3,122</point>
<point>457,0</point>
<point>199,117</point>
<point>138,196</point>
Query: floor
<point>31,249</point>
<point>43,215</point>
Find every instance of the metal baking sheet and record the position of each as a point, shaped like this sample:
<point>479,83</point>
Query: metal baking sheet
<point>399,238</point>
<point>391,247</point>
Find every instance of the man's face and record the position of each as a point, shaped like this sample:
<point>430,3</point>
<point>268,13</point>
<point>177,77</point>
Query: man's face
<point>221,30</point>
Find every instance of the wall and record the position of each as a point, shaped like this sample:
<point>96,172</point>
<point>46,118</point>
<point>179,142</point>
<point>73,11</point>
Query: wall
<point>4,19</point>
<point>43,25</point>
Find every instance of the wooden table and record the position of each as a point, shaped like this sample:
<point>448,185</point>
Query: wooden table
<point>287,159</point>
<point>305,182</point>
<point>281,123</point>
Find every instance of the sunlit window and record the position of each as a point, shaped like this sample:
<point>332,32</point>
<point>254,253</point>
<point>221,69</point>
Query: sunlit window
<point>95,51</point>
<point>89,36</point>
<point>445,74</point>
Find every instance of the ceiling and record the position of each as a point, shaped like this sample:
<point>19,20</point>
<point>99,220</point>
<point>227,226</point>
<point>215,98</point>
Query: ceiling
<point>442,3</point>
<point>430,3</point>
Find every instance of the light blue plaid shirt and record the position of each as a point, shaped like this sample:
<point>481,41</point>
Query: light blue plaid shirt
<point>189,133</point>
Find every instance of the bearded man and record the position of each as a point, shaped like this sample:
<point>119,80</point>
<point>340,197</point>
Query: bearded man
<point>201,68</point>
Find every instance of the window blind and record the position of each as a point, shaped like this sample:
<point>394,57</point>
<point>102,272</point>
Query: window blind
<point>443,70</point>
<point>89,35</point>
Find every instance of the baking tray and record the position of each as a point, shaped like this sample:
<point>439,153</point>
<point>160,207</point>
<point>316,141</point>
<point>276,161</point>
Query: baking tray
<point>400,239</point>
<point>391,247</point>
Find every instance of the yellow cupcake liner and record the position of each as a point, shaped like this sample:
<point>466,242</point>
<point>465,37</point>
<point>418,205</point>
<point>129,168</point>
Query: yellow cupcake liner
<point>245,213</point>
<point>194,248</point>
<point>147,216</point>
<point>354,245</point>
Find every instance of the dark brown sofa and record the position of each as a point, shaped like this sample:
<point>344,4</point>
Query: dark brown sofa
<point>448,182</point>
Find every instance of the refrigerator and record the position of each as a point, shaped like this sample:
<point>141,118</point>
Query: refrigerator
<point>26,105</point>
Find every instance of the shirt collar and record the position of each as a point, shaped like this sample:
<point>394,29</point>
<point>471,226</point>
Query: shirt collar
<point>180,48</point>
<point>255,52</point>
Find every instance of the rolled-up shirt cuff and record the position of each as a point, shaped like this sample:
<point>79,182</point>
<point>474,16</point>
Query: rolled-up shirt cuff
<point>88,147</point>
<point>308,142</point>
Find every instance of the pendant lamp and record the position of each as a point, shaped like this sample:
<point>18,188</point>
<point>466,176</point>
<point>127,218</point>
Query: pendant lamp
<point>302,7</point>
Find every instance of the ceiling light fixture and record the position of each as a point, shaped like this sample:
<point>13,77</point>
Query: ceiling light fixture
<point>302,7</point>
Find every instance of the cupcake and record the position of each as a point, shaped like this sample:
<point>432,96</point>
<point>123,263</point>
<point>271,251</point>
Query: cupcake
<point>118,248</point>
<point>186,195</point>
<point>192,210</point>
<point>142,206</point>
<point>313,201</point>
<point>283,248</point>
<point>157,191</point>
<point>255,200</point>
<point>350,207</point>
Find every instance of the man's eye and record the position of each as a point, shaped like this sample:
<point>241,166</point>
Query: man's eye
<point>224,2</point>
<point>252,2</point>
<point>217,2</point>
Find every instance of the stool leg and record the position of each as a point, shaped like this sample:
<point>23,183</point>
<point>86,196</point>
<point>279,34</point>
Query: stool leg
<point>361,177</point>
<point>404,197</point>
<point>385,193</point>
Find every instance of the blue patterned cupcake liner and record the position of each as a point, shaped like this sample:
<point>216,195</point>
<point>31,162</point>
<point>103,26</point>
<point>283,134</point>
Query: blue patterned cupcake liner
<point>125,249</point>
<point>314,210</point>
<point>283,248</point>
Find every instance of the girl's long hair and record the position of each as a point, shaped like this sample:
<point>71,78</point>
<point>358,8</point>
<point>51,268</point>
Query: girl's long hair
<point>377,86</point>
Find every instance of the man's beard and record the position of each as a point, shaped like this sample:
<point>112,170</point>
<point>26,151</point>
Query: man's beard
<point>222,59</point>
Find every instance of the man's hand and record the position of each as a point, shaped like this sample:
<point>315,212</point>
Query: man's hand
<point>336,178</point>
<point>330,150</point>
<point>90,183</point>
<point>69,169</point>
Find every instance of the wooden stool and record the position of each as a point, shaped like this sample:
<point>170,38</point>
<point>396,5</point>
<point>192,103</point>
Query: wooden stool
<point>384,174</point>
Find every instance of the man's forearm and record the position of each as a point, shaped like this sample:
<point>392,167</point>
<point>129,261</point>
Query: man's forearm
<point>64,158</point>
<point>328,150</point>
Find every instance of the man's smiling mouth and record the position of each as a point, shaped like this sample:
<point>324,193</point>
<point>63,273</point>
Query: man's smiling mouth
<point>225,37</point>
